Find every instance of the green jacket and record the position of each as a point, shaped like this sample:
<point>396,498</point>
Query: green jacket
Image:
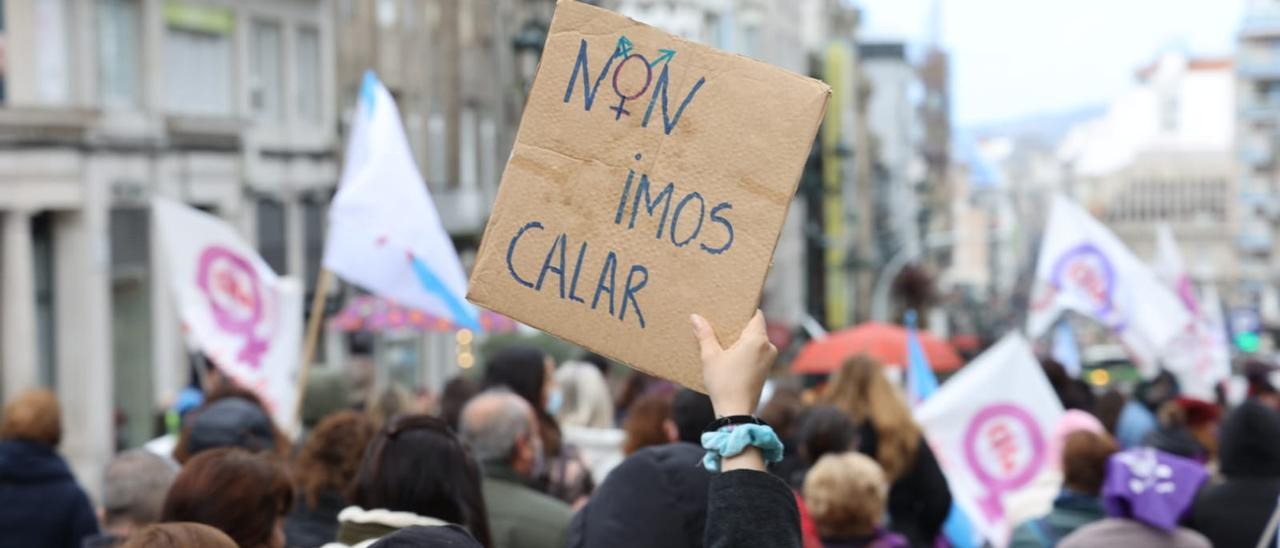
<point>1070,512</point>
<point>520,517</point>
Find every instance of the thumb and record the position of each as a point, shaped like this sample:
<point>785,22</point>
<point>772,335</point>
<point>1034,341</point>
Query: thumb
<point>707,341</point>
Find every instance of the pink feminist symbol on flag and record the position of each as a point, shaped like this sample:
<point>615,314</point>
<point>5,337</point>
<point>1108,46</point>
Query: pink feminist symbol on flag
<point>231,284</point>
<point>1005,449</point>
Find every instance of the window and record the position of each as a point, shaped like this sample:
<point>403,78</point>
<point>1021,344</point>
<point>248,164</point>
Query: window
<point>437,168</point>
<point>1169,111</point>
<point>265,70</point>
<point>52,47</point>
<point>46,312</point>
<point>2,42</point>
<point>309,92</point>
<point>118,53</point>
<point>467,157</point>
<point>271,237</point>
<point>386,13</point>
<point>488,154</point>
<point>198,59</point>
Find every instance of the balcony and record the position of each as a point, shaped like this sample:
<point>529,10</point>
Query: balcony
<point>1268,111</point>
<point>1259,67</point>
<point>1260,25</point>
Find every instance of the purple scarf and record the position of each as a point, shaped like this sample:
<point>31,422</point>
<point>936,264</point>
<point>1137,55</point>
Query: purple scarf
<point>1151,486</point>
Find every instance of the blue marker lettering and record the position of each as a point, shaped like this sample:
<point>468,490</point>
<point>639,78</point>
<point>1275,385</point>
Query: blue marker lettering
<point>675,218</point>
<point>589,91</point>
<point>577,270</point>
<point>728,227</point>
<point>660,89</point>
<point>560,243</point>
<point>633,287</point>
<point>511,249</point>
<point>610,269</point>
<point>651,202</point>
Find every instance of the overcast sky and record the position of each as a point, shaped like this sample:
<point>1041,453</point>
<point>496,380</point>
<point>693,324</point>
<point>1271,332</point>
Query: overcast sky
<point>1011,58</point>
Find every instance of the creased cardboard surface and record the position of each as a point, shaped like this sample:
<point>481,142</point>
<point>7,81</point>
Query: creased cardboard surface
<point>585,243</point>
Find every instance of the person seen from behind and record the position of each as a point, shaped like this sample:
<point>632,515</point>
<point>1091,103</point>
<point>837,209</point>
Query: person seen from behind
<point>919,498</point>
<point>230,416</point>
<point>1084,466</point>
<point>323,470</point>
<point>501,430</point>
<point>179,535</point>
<point>243,494</point>
<point>657,496</point>
<point>648,424</point>
<point>747,507</point>
<point>530,374</point>
<point>414,472</point>
<point>40,502</point>
<point>586,417</point>
<point>1145,494</point>
<point>846,495</point>
<point>1237,510</point>
<point>133,490</point>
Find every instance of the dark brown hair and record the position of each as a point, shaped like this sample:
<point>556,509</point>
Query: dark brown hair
<point>644,424</point>
<point>33,416</point>
<point>416,464</point>
<point>1084,461</point>
<point>238,492</point>
<point>329,460</point>
<point>179,535</point>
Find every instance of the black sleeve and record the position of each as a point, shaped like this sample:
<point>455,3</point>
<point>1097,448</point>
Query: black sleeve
<point>937,501</point>
<point>747,509</point>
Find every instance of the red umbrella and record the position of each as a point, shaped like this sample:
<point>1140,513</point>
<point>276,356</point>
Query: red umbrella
<point>884,342</point>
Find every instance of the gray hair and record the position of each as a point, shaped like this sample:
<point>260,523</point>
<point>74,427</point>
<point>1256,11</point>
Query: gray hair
<point>492,423</point>
<point>587,402</point>
<point>134,487</point>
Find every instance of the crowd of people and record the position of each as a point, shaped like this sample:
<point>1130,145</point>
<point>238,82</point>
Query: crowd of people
<point>535,455</point>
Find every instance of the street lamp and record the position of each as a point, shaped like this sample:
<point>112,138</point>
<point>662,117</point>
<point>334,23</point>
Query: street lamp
<point>528,47</point>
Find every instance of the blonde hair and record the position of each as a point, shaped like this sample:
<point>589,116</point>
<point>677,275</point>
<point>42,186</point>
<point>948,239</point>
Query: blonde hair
<point>846,494</point>
<point>860,389</point>
<point>33,416</point>
<point>587,402</point>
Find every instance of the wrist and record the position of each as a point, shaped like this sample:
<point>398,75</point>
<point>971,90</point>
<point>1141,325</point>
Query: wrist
<point>729,409</point>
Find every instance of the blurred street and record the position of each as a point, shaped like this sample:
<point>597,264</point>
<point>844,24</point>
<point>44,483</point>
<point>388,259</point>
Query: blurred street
<point>920,196</point>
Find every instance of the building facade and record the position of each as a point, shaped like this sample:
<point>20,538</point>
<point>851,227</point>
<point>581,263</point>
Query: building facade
<point>1163,154</point>
<point>1258,147</point>
<point>224,104</point>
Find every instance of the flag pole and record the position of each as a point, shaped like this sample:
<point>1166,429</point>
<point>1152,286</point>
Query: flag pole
<point>313,337</point>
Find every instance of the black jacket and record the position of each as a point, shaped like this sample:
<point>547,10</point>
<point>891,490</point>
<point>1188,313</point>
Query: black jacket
<point>656,497</point>
<point>1235,512</point>
<point>750,509</point>
<point>920,500</point>
<point>307,527</point>
<point>40,502</point>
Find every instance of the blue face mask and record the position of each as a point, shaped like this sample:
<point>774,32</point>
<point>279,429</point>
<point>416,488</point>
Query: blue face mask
<point>554,401</point>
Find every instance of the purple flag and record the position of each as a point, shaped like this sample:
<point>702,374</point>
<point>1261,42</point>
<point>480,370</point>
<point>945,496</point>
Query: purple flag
<point>1151,486</point>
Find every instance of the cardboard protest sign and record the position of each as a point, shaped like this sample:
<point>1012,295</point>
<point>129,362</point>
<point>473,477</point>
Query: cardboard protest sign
<point>649,180</point>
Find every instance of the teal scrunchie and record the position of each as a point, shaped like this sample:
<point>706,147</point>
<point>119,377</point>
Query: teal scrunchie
<point>734,439</point>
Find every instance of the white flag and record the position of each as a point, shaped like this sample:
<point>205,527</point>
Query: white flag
<point>1199,355</point>
<point>385,234</point>
<point>989,426</point>
<point>233,307</point>
<point>1085,268</point>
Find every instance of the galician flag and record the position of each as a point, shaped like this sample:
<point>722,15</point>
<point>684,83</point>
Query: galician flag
<point>1083,267</point>
<point>234,308</point>
<point>385,234</point>
<point>921,384</point>
<point>1199,355</point>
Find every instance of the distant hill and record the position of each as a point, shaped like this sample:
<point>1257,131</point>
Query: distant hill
<point>1042,128</point>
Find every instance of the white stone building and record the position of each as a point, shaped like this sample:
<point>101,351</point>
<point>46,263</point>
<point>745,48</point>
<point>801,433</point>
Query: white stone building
<point>1163,153</point>
<point>224,104</point>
